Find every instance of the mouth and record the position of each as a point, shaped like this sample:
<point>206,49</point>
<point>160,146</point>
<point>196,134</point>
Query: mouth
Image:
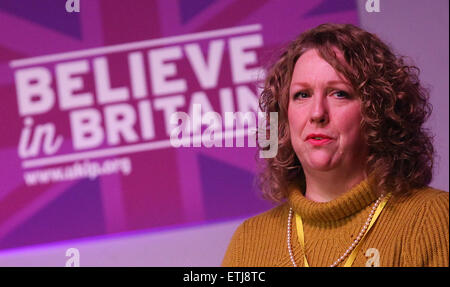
<point>318,139</point>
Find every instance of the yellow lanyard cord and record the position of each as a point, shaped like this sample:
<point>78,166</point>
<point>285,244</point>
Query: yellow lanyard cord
<point>352,256</point>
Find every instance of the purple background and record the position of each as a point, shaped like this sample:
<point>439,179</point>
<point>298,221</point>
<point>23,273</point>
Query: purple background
<point>178,207</point>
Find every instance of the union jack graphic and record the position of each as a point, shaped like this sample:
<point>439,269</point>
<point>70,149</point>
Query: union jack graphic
<point>167,187</point>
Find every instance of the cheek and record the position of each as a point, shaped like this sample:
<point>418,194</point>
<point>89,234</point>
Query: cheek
<point>296,120</point>
<point>350,126</point>
<point>296,127</point>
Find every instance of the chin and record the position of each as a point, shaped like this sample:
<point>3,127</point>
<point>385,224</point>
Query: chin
<point>322,168</point>
<point>322,164</point>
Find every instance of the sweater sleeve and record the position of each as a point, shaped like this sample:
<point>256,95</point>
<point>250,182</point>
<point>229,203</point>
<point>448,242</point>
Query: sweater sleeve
<point>433,237</point>
<point>235,249</point>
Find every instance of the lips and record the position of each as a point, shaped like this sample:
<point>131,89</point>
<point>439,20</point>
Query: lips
<point>317,136</point>
<point>318,139</point>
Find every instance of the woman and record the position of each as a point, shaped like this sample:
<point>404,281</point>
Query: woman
<point>353,164</point>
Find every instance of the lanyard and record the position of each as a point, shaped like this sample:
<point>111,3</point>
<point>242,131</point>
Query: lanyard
<point>352,256</point>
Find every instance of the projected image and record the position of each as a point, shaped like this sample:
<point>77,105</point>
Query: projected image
<point>132,132</point>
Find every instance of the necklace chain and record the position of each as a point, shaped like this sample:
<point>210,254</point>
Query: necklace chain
<point>352,246</point>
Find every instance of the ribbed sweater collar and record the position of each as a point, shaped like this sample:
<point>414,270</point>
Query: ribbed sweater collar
<point>349,203</point>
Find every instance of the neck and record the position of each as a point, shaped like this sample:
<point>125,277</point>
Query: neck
<point>328,185</point>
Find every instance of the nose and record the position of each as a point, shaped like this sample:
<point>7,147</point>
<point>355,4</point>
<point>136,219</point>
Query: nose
<point>319,110</point>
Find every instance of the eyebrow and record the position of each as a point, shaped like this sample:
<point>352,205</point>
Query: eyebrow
<point>328,83</point>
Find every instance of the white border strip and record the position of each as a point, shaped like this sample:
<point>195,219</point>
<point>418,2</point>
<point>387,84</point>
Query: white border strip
<point>135,45</point>
<point>121,150</point>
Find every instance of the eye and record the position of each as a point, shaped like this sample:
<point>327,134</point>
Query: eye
<point>301,95</point>
<point>341,95</point>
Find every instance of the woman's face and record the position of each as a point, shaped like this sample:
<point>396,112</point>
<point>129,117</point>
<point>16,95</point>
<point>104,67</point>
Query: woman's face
<point>324,117</point>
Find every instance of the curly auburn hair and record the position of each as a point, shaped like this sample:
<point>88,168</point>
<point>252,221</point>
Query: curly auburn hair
<point>394,108</point>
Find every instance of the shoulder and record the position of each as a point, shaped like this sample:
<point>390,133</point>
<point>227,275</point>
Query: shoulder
<point>273,215</point>
<point>424,199</point>
<point>256,241</point>
<point>435,205</point>
<point>429,193</point>
<point>419,209</point>
<point>427,222</point>
<point>269,221</point>
<point>424,209</point>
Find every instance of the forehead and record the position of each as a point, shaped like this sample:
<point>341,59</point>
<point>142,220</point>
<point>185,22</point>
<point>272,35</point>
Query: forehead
<point>312,67</point>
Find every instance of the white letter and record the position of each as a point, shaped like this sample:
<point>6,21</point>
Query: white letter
<point>67,85</point>
<point>241,119</point>
<point>272,142</point>
<point>25,139</point>
<point>44,133</point>
<point>373,6</point>
<point>240,59</point>
<point>106,94</point>
<point>160,71</point>
<point>137,75</point>
<point>86,128</point>
<point>40,89</point>
<point>146,120</point>
<point>212,136</point>
<point>374,257</point>
<point>199,99</point>
<point>169,105</point>
<point>183,129</point>
<point>74,261</point>
<point>207,71</point>
<point>116,126</point>
<point>73,6</point>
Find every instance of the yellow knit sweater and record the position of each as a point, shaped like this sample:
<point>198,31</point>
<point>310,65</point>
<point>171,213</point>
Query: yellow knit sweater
<point>411,231</point>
